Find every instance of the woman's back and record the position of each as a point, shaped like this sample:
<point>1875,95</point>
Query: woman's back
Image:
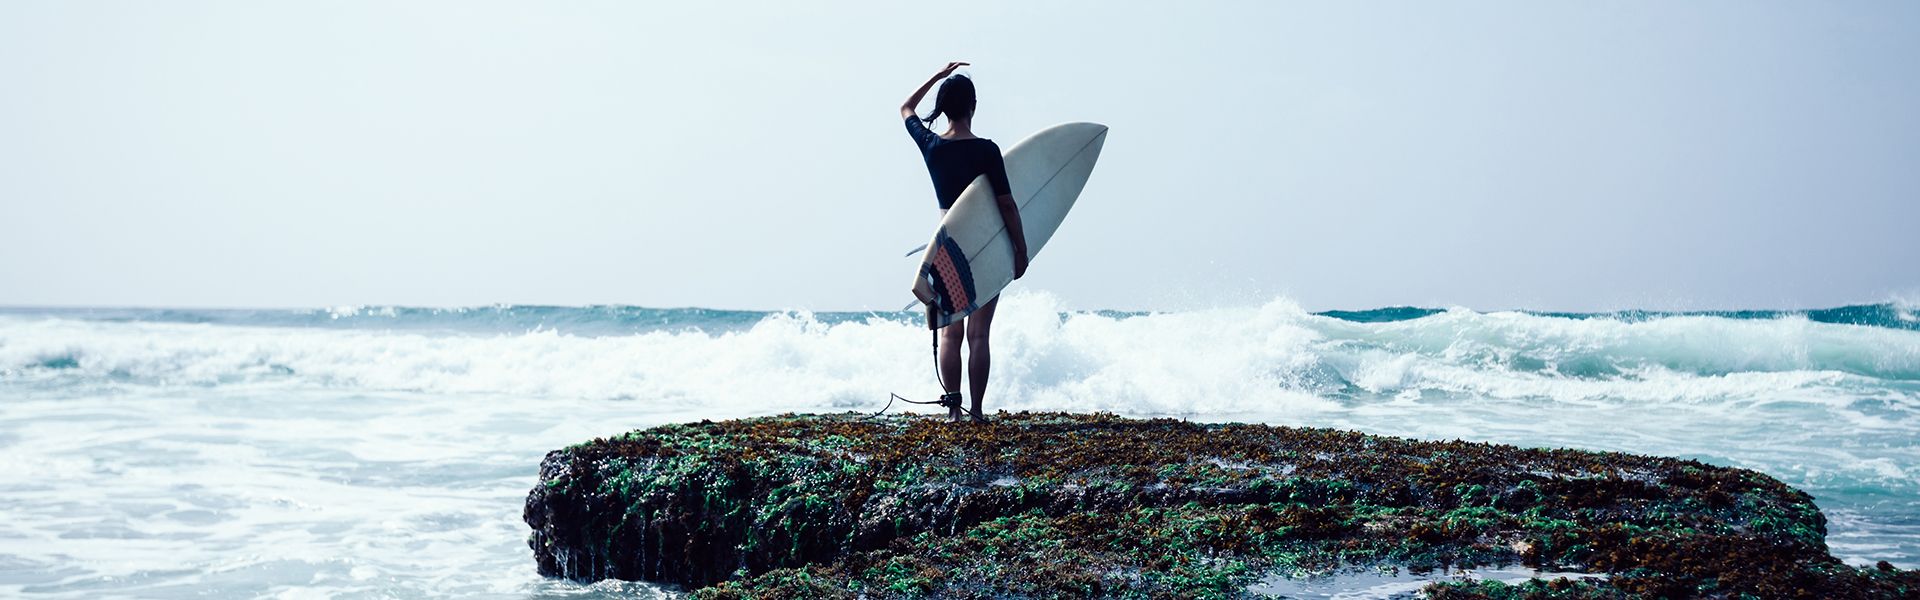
<point>955,163</point>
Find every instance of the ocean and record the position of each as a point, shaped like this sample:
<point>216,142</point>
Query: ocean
<point>386,451</point>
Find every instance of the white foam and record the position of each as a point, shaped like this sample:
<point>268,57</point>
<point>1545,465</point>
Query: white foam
<point>1201,362</point>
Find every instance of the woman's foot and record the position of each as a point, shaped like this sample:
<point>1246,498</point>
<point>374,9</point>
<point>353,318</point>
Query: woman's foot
<point>974,412</point>
<point>951,400</point>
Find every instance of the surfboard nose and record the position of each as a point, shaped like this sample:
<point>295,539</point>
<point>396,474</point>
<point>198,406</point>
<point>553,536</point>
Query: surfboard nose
<point>1096,136</point>
<point>1095,133</point>
<point>1081,129</point>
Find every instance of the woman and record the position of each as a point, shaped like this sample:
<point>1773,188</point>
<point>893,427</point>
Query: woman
<point>955,159</point>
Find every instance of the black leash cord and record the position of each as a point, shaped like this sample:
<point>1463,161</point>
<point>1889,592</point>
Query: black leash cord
<point>936,378</point>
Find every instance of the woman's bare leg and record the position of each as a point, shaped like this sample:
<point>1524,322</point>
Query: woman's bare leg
<point>979,356</point>
<point>950,337</point>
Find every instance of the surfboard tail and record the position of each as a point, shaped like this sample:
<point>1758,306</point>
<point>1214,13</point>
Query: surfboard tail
<point>946,283</point>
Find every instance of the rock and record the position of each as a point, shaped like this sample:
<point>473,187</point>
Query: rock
<point>1071,505</point>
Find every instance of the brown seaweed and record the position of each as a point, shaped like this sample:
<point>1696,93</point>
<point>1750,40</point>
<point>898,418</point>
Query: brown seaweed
<point>1095,505</point>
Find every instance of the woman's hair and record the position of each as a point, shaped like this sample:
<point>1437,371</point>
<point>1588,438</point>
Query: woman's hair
<point>955,100</point>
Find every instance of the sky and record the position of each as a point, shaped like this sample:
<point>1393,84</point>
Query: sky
<point>1491,155</point>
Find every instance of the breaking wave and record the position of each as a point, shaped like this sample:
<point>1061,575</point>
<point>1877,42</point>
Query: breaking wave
<point>1197,362</point>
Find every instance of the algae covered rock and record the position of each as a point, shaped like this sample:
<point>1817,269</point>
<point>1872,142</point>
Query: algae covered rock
<point>1070,505</point>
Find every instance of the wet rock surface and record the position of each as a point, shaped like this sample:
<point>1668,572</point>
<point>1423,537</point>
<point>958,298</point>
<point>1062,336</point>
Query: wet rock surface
<point>1075,505</point>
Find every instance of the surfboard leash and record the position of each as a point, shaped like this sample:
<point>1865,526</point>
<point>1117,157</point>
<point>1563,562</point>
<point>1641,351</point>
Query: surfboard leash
<point>949,400</point>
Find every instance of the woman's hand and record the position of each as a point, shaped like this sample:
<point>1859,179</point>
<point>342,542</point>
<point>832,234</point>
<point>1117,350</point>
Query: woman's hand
<point>951,67</point>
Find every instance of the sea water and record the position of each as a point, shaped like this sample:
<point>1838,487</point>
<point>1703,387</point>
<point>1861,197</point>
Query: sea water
<point>385,451</point>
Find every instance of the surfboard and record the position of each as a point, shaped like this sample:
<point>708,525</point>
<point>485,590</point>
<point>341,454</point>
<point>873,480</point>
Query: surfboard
<point>970,259</point>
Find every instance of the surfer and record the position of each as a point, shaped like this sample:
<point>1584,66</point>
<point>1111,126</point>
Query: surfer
<point>954,159</point>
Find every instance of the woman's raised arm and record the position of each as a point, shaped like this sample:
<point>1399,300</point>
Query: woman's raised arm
<point>913,102</point>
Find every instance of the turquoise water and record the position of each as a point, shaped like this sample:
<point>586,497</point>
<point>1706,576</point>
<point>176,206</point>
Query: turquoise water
<point>382,451</point>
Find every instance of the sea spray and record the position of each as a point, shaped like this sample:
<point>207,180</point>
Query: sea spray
<point>1202,362</point>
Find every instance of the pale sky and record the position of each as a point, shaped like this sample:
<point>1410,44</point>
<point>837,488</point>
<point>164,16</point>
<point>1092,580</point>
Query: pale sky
<point>1553,156</point>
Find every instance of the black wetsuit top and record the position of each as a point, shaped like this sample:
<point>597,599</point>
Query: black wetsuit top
<point>955,163</point>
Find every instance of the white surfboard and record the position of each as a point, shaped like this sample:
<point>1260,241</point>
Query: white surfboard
<point>971,258</point>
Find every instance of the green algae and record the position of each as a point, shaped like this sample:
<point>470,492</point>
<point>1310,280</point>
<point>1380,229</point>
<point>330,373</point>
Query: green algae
<point>1053,505</point>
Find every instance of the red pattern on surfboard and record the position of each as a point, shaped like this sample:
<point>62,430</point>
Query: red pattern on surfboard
<point>952,286</point>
